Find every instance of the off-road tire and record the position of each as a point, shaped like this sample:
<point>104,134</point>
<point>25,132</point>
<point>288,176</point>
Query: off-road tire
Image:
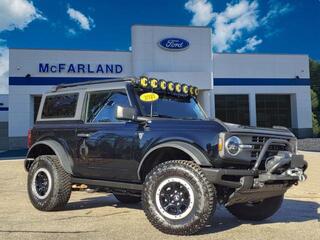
<point>257,211</point>
<point>204,196</point>
<point>127,199</point>
<point>60,192</point>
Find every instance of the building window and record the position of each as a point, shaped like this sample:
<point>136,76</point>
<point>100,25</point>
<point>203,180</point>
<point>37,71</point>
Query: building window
<point>273,110</point>
<point>60,106</point>
<point>233,108</point>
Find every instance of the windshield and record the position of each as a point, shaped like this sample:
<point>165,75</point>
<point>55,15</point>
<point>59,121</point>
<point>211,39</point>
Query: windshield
<point>168,106</point>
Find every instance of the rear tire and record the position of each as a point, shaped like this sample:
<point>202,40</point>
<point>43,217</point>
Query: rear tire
<point>49,186</point>
<point>256,211</point>
<point>177,198</point>
<point>127,199</point>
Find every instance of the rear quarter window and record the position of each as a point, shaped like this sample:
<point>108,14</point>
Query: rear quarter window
<point>60,106</point>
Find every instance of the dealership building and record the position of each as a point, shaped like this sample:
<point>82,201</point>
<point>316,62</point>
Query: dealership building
<point>251,89</point>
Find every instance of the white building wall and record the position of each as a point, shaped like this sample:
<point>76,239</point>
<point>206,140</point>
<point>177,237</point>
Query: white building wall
<point>260,66</point>
<point>192,65</point>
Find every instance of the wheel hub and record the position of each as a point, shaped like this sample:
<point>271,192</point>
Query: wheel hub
<point>175,198</point>
<point>41,183</point>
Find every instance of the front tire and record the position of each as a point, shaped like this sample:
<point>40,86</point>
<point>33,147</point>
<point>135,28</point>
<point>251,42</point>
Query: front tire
<point>256,211</point>
<point>177,198</point>
<point>49,186</point>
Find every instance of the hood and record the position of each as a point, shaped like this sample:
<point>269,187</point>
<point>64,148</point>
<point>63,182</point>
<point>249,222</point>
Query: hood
<point>217,124</point>
<point>276,130</point>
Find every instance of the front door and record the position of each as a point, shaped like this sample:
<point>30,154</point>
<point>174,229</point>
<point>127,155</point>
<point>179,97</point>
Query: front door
<point>105,144</point>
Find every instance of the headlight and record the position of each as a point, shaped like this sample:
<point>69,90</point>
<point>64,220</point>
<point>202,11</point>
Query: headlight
<point>233,145</point>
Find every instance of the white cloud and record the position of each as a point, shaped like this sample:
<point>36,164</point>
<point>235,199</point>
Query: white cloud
<point>202,10</point>
<point>4,69</point>
<point>17,14</point>
<point>14,14</point>
<point>86,23</point>
<point>276,9</point>
<point>251,44</point>
<point>236,19</point>
<point>71,32</point>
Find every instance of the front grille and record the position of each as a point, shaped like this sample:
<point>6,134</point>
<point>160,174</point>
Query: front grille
<point>258,142</point>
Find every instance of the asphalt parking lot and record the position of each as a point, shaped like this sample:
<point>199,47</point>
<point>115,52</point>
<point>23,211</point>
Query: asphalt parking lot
<point>101,216</point>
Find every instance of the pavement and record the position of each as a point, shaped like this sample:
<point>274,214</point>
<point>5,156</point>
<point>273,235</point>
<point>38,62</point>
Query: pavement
<point>101,216</point>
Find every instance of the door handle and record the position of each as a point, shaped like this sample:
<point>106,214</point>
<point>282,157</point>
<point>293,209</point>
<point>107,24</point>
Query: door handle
<point>84,135</point>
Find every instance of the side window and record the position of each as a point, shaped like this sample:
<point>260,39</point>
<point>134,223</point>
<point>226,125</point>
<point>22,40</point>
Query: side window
<point>60,106</point>
<point>102,105</point>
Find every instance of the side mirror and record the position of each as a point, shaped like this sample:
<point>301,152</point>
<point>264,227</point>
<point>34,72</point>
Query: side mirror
<point>126,113</point>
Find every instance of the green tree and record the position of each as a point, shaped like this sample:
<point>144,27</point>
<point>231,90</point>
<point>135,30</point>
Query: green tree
<point>315,75</point>
<point>315,125</point>
<point>315,95</point>
<point>314,100</point>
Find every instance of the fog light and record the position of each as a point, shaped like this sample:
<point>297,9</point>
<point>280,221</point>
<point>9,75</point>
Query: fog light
<point>191,90</point>
<point>185,89</point>
<point>178,87</point>
<point>143,82</point>
<point>196,91</point>
<point>163,84</point>
<point>154,83</point>
<point>170,86</point>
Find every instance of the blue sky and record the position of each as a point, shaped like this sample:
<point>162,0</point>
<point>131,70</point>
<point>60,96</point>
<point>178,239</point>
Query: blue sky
<point>258,26</point>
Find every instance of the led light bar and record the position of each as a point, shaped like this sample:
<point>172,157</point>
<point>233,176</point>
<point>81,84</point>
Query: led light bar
<point>153,83</point>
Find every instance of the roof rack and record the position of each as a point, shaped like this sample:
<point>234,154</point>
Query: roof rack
<point>92,82</point>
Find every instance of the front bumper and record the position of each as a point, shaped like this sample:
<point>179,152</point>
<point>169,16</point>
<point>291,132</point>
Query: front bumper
<point>284,170</point>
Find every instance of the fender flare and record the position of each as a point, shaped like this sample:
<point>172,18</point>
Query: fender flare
<point>196,155</point>
<point>63,156</point>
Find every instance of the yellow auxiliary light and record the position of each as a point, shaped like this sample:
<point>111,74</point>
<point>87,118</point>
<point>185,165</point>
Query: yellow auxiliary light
<point>185,89</point>
<point>154,83</point>
<point>191,90</point>
<point>163,84</point>
<point>143,82</point>
<point>170,86</point>
<point>196,91</point>
<point>177,87</point>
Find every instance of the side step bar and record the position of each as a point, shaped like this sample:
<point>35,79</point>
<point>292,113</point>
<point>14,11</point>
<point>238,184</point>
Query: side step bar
<point>109,184</point>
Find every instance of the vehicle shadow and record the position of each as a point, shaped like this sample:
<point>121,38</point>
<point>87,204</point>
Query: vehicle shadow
<point>291,211</point>
<point>101,201</point>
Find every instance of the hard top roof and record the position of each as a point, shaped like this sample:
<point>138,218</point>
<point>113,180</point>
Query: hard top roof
<point>91,83</point>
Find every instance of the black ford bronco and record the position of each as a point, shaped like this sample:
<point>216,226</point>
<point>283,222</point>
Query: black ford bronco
<point>149,140</point>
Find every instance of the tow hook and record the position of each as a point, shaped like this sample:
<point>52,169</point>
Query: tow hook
<point>296,172</point>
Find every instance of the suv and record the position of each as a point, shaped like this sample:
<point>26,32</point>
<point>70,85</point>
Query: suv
<point>149,140</point>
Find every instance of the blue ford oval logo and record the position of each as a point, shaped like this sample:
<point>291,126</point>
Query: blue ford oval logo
<point>174,44</point>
